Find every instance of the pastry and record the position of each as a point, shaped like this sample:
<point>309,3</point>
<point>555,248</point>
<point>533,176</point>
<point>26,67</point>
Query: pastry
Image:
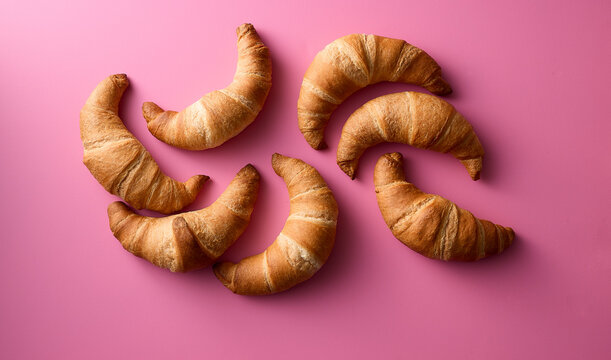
<point>222,114</point>
<point>118,160</point>
<point>420,120</point>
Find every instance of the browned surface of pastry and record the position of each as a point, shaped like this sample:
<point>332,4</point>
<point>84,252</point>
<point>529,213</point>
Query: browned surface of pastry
<point>353,62</point>
<point>119,161</point>
<point>430,224</point>
<point>190,240</point>
<point>420,120</point>
<point>304,244</point>
<point>222,114</point>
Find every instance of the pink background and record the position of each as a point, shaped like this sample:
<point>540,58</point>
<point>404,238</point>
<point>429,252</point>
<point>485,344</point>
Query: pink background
<point>532,78</point>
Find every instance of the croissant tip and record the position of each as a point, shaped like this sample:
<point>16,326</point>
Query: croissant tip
<point>222,272</point>
<point>347,168</point>
<point>244,28</point>
<point>116,206</point>
<point>278,162</point>
<point>120,80</point>
<point>396,156</point>
<point>474,167</point>
<point>317,144</point>
<point>447,90</point>
<point>320,146</point>
<point>117,211</point>
<point>390,159</point>
<point>249,169</point>
<point>195,183</point>
<point>439,86</point>
<point>277,157</point>
<point>150,111</point>
<point>512,236</point>
<point>315,138</point>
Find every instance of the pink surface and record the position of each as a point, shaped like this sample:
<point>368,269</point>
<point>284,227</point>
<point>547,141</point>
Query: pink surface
<point>530,76</point>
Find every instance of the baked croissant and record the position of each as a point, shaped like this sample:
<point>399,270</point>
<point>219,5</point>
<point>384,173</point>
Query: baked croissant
<point>420,120</point>
<point>118,160</point>
<point>353,62</point>
<point>304,244</point>
<point>190,240</point>
<point>430,224</point>
<point>222,114</point>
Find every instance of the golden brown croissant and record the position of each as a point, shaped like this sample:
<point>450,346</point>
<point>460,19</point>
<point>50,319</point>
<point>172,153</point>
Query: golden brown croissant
<point>119,161</point>
<point>222,114</point>
<point>304,244</point>
<point>190,240</point>
<point>353,62</point>
<point>430,224</point>
<point>420,120</point>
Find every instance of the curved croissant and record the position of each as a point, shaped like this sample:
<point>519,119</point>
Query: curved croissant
<point>430,224</point>
<point>420,120</point>
<point>222,114</point>
<point>119,161</point>
<point>353,62</point>
<point>190,240</point>
<point>304,244</point>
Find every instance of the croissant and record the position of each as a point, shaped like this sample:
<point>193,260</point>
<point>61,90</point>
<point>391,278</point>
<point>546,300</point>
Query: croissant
<point>190,240</point>
<point>222,114</point>
<point>303,245</point>
<point>118,160</point>
<point>421,120</point>
<point>353,62</point>
<point>430,224</point>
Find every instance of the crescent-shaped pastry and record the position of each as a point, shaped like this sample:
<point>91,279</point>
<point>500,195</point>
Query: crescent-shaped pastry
<point>420,120</point>
<point>353,62</point>
<point>222,114</point>
<point>304,244</point>
<point>118,160</point>
<point>429,224</point>
<point>190,240</point>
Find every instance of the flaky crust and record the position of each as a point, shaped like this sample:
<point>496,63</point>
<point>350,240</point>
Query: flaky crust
<point>353,62</point>
<point>190,240</point>
<point>430,224</point>
<point>420,120</point>
<point>222,114</point>
<point>303,245</point>
<point>119,161</point>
